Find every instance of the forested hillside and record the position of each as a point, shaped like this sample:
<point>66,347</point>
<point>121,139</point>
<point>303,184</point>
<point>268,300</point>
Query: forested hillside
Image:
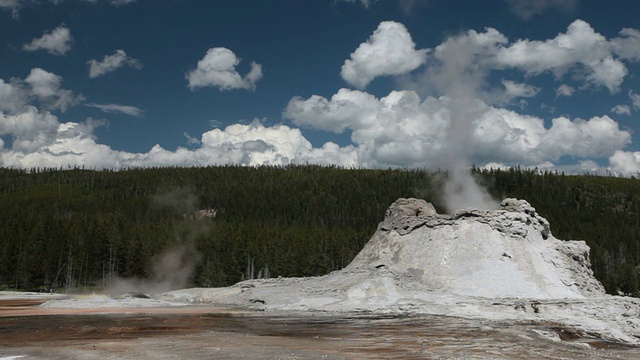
<point>81,228</point>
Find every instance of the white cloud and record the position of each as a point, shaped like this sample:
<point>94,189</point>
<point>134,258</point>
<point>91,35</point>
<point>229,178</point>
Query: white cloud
<point>45,86</point>
<point>526,9</point>
<point>111,63</point>
<point>30,129</point>
<point>56,42</point>
<point>580,48</point>
<point>402,130</point>
<point>621,110</point>
<point>218,69</point>
<point>389,51</point>
<point>13,96</point>
<point>116,108</point>
<point>39,85</point>
<point>39,139</point>
<point>518,90</point>
<point>461,65</point>
<point>565,90</point>
<point>627,45</point>
<point>625,162</point>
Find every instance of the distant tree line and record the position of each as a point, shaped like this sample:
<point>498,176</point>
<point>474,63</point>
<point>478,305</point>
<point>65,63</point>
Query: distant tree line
<point>79,228</point>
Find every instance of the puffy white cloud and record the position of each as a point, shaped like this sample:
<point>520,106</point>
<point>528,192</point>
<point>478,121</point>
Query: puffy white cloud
<point>621,110</point>
<point>580,47</point>
<point>111,63</point>
<point>402,130</point>
<point>518,90</point>
<point>461,65</point>
<point>218,69</point>
<point>46,87</point>
<point>13,96</point>
<point>30,129</point>
<point>39,85</point>
<point>39,139</point>
<point>526,9</point>
<point>626,109</point>
<point>56,42</point>
<point>627,45</point>
<point>389,51</point>
<point>565,90</point>
<point>116,108</point>
<point>625,162</point>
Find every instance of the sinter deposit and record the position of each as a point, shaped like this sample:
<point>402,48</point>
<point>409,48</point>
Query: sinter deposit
<point>503,265</point>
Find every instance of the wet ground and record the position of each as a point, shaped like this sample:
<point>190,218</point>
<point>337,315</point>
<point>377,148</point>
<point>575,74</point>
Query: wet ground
<point>199,332</point>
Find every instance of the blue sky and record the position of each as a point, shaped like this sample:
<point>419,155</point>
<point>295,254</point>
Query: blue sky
<point>389,83</point>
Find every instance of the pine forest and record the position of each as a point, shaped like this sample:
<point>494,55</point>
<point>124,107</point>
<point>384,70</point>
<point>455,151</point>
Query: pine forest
<point>78,230</point>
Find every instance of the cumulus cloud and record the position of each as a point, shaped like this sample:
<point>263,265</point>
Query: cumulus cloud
<point>514,90</point>
<point>118,109</point>
<point>13,95</point>
<point>45,86</point>
<point>57,41</point>
<point>389,51</point>
<point>627,45</point>
<point>580,48</point>
<point>625,162</point>
<point>40,85</point>
<point>565,90</point>
<point>40,139</point>
<point>218,69</point>
<point>465,60</point>
<point>402,130</point>
<point>526,9</point>
<point>621,110</point>
<point>111,63</point>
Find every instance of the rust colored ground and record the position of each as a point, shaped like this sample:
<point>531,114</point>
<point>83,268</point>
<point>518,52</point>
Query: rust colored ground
<point>197,332</point>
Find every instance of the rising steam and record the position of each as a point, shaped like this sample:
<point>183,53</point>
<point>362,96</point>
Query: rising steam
<point>453,73</point>
<point>461,191</point>
<point>172,268</point>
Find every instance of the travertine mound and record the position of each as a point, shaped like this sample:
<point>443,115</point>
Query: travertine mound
<point>509,252</point>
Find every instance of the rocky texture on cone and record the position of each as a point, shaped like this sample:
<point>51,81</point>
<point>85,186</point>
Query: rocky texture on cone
<point>509,252</point>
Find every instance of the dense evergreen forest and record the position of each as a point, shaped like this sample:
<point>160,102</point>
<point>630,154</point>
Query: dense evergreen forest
<point>78,228</point>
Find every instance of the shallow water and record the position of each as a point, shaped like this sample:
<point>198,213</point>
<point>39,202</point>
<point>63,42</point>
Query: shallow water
<point>228,334</point>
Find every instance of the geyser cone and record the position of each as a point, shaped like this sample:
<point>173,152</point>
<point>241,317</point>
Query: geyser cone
<point>509,252</point>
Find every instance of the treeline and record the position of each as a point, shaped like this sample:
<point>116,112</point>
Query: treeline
<point>82,228</point>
